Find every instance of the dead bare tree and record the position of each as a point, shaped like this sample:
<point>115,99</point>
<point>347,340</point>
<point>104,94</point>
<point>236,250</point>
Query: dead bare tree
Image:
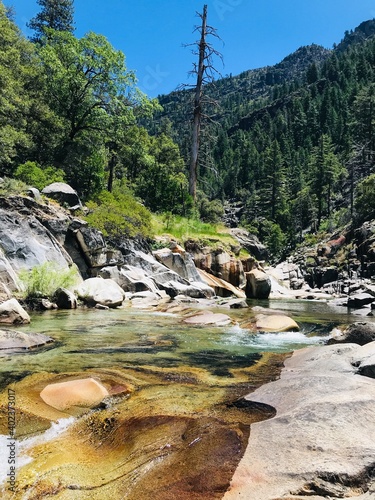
<point>205,73</point>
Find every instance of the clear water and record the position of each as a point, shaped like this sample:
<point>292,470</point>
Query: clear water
<point>129,337</point>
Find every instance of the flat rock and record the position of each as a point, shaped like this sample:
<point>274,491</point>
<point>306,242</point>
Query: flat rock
<point>324,428</point>
<point>14,340</point>
<point>82,392</point>
<point>275,323</point>
<point>209,318</point>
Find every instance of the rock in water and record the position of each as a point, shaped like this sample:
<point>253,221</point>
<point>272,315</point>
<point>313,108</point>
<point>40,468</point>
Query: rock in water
<point>209,318</point>
<point>100,291</point>
<point>275,323</point>
<point>356,333</point>
<point>258,284</point>
<point>82,392</point>
<point>11,312</point>
<point>13,340</point>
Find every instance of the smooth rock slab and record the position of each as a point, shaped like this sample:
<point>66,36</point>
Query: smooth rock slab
<point>82,392</point>
<point>324,428</point>
<point>209,318</point>
<point>13,340</point>
<point>275,323</point>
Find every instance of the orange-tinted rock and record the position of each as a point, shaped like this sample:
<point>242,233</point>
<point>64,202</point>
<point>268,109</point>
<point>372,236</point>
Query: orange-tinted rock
<point>82,392</point>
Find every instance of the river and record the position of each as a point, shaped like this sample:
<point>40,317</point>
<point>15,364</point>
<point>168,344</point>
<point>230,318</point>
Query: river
<point>175,425</point>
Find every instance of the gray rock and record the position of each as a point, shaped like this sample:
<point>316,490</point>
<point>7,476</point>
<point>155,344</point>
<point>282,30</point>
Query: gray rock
<point>357,333</point>
<point>251,243</point>
<point>322,438</point>
<point>360,300</point>
<point>12,313</point>
<point>180,263</point>
<point>63,193</point>
<point>65,299</point>
<point>26,243</point>
<point>13,340</point>
<point>258,284</point>
<point>34,193</point>
<point>100,291</point>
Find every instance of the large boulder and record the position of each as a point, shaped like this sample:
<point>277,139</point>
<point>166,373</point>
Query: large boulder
<point>82,392</point>
<point>258,284</point>
<point>101,291</point>
<point>357,333</point>
<point>14,341</point>
<point>12,313</point>
<point>65,299</point>
<point>63,193</point>
<point>130,278</point>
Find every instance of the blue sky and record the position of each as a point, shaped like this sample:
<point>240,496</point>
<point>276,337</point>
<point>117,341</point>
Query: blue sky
<point>255,33</point>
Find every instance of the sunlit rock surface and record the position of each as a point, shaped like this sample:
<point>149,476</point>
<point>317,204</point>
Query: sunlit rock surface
<point>82,392</point>
<point>321,443</point>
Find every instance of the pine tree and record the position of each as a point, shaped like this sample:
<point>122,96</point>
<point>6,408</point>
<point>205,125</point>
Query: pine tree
<point>55,14</point>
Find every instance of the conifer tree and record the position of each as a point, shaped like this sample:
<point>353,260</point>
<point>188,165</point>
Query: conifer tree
<point>55,14</point>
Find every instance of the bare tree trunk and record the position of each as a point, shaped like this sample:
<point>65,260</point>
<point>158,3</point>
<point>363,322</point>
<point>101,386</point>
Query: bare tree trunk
<point>197,117</point>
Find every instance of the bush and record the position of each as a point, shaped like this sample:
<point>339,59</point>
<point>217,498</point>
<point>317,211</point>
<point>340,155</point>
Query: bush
<point>211,211</point>
<point>119,214</point>
<point>12,187</point>
<point>36,176</point>
<point>45,279</point>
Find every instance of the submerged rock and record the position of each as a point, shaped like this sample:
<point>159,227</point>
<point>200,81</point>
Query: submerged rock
<point>11,312</point>
<point>209,318</point>
<point>82,392</point>
<point>13,340</point>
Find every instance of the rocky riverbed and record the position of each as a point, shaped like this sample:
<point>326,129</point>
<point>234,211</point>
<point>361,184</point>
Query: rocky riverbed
<point>104,414</point>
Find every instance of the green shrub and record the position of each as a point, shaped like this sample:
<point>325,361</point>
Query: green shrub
<point>12,187</point>
<point>43,280</point>
<point>36,176</point>
<point>119,214</point>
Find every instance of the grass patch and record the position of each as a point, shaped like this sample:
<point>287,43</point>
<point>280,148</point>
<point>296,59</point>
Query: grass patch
<point>45,279</point>
<point>182,229</point>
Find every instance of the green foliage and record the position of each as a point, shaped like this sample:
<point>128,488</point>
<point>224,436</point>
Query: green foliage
<point>119,214</point>
<point>365,200</point>
<point>210,211</point>
<point>11,186</point>
<point>274,239</point>
<point>34,175</point>
<point>183,228</point>
<point>57,15</point>
<point>43,280</point>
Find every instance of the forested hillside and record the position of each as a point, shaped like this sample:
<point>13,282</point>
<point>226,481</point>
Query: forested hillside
<point>287,145</point>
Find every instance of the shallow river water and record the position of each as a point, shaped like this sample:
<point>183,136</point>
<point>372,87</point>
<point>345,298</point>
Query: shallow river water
<point>175,425</point>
